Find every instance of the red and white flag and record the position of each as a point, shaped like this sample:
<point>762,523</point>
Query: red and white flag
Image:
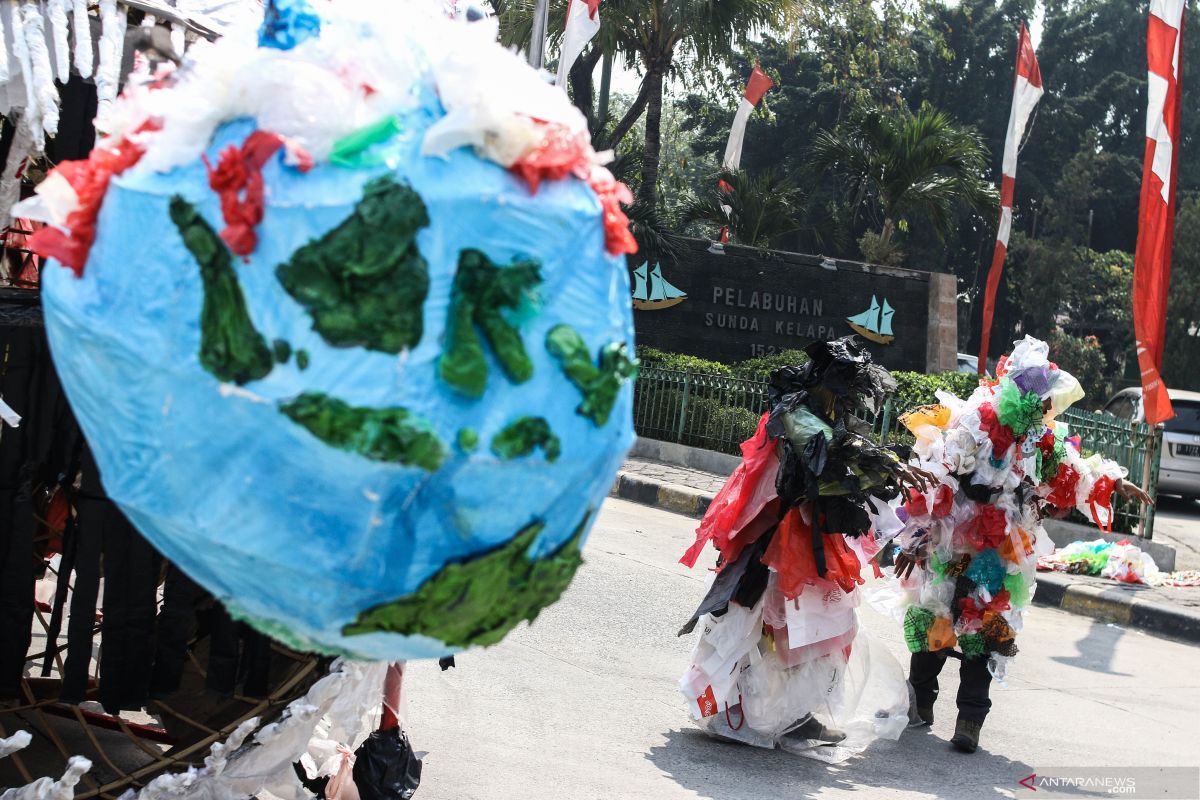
<point>583,23</point>
<point>759,84</point>
<point>1027,91</point>
<point>1156,216</point>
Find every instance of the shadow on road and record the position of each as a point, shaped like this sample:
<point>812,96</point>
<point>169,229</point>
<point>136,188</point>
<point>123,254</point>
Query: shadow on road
<point>1095,650</point>
<point>920,762</point>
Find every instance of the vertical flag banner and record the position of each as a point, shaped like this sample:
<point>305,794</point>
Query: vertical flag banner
<point>1027,91</point>
<point>759,84</point>
<point>1156,215</point>
<point>583,23</point>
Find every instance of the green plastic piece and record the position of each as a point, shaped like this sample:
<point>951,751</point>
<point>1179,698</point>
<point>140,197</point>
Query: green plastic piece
<point>478,601</point>
<point>393,435</point>
<point>972,645</point>
<point>230,347</point>
<point>1019,411</point>
<point>481,291</point>
<point>350,150</point>
<point>1048,467</point>
<point>468,440</point>
<point>521,438</point>
<point>282,351</point>
<point>916,628</point>
<point>302,359</point>
<point>599,385</point>
<point>801,425</point>
<point>938,567</point>
<point>365,282</point>
<point>1018,590</point>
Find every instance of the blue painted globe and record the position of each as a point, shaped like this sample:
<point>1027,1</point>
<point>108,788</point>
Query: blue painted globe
<point>351,491</point>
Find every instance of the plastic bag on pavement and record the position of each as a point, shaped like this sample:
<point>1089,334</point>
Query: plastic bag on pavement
<point>386,768</point>
<point>1128,564</point>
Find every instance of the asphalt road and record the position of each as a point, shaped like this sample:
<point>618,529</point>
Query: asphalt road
<point>583,704</point>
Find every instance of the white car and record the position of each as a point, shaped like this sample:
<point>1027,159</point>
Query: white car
<point>1179,469</point>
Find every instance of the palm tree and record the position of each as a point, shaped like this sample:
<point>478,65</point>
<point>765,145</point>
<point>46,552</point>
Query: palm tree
<point>908,165</point>
<point>762,207</point>
<point>651,34</point>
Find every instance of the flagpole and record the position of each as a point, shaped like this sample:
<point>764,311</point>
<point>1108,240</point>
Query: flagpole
<point>537,43</point>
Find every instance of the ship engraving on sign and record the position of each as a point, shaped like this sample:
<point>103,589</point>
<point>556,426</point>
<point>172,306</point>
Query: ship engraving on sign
<point>653,292</point>
<point>876,322</point>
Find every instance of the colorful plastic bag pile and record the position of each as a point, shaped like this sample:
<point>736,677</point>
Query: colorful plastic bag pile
<point>1121,561</point>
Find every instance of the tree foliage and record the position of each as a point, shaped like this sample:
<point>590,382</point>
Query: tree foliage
<point>904,166</point>
<point>851,77</point>
<point>761,208</point>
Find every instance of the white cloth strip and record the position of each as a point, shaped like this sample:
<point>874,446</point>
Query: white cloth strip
<point>737,135</point>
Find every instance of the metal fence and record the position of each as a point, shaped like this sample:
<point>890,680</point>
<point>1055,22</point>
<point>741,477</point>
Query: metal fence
<point>719,412</point>
<point>1135,446</point>
<point>716,412</point>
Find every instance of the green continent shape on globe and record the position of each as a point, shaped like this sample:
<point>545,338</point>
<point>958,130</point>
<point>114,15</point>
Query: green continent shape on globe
<point>599,385</point>
<point>393,435</point>
<point>481,290</point>
<point>230,347</point>
<point>478,601</point>
<point>365,282</point>
<point>522,437</point>
<point>468,440</point>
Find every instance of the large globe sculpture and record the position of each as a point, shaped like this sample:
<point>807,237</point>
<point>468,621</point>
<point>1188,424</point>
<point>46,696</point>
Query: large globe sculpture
<point>375,413</point>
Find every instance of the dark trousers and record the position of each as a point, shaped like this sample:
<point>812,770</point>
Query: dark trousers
<point>973,682</point>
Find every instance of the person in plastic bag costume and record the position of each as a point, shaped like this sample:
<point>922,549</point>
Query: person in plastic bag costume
<point>970,543</point>
<point>780,659</point>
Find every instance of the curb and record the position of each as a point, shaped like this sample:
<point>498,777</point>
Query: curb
<point>1053,590</point>
<point>669,497</point>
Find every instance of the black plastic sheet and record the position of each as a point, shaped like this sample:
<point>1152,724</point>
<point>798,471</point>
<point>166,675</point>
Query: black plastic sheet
<point>385,767</point>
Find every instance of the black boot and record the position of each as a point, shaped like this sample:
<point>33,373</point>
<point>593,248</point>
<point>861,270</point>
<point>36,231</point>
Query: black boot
<point>811,728</point>
<point>919,716</point>
<point>966,735</point>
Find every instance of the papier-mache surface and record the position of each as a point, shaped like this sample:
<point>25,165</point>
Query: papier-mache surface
<point>297,529</point>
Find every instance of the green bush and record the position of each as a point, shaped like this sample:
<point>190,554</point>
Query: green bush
<point>763,366</point>
<point>730,424</point>
<point>716,423</point>
<point>677,361</point>
<point>917,389</point>
<point>760,367</point>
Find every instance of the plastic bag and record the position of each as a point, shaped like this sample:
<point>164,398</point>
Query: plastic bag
<point>386,768</point>
<point>342,786</point>
<point>749,489</point>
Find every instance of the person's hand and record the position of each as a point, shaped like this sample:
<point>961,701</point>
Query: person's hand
<point>905,564</point>
<point>1131,491</point>
<point>917,478</point>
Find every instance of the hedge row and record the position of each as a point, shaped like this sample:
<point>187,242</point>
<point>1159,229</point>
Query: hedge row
<point>912,388</point>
